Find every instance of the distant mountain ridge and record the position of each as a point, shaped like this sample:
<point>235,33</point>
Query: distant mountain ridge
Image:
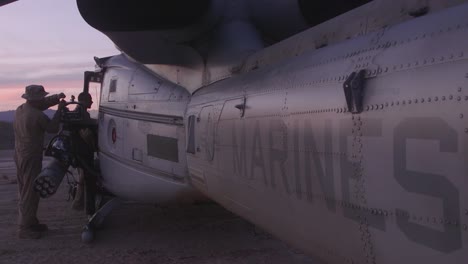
<point>7,138</point>
<point>9,116</point>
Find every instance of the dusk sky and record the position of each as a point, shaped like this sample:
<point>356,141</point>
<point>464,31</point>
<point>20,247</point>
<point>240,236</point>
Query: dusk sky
<point>46,42</point>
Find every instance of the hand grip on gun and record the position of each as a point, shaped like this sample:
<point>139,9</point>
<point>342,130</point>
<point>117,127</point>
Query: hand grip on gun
<point>70,115</point>
<point>62,103</point>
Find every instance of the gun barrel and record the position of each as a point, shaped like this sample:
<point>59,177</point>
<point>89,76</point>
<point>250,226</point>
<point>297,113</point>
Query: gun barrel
<point>48,181</point>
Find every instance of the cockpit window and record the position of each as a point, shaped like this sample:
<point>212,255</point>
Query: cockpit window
<point>112,90</point>
<point>113,86</point>
<point>191,135</point>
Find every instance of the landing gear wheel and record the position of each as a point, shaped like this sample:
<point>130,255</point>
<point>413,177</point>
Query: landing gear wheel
<point>87,236</point>
<point>96,221</point>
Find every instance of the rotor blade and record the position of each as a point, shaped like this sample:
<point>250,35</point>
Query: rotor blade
<point>6,2</point>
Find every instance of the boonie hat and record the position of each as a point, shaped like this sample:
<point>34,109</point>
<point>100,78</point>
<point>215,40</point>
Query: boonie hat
<point>34,92</point>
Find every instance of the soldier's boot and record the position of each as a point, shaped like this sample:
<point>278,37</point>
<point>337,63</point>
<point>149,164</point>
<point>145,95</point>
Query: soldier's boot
<point>78,202</point>
<point>40,227</point>
<point>29,233</point>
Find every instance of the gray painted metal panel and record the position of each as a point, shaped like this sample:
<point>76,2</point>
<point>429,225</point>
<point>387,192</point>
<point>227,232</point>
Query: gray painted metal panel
<point>379,178</point>
<point>162,147</point>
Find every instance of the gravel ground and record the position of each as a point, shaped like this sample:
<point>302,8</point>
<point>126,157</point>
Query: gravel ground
<point>136,233</point>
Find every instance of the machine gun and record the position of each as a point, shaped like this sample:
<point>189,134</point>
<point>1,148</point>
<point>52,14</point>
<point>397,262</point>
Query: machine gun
<point>66,149</point>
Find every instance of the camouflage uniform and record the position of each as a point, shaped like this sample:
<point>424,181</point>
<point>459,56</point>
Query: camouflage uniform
<point>30,126</point>
<point>87,145</point>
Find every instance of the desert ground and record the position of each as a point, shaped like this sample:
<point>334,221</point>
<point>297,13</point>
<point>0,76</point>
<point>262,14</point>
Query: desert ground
<point>136,233</point>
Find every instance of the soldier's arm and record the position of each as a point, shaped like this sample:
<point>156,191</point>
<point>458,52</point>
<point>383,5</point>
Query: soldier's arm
<point>52,125</point>
<point>87,120</point>
<point>53,99</point>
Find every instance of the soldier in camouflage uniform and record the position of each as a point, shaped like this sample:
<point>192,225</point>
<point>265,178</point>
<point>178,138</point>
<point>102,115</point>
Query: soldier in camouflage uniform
<point>84,197</point>
<point>30,126</point>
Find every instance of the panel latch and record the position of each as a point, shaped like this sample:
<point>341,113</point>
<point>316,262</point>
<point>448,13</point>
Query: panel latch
<point>241,107</point>
<point>354,91</point>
